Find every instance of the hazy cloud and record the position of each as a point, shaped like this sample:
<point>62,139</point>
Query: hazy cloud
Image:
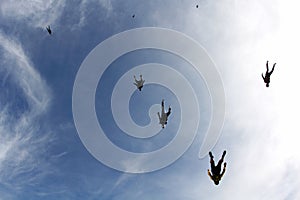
<point>37,13</point>
<point>22,139</point>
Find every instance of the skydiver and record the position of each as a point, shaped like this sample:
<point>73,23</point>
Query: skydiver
<point>48,29</point>
<point>163,118</point>
<point>133,15</point>
<point>197,6</point>
<point>215,175</point>
<point>139,84</point>
<point>268,74</point>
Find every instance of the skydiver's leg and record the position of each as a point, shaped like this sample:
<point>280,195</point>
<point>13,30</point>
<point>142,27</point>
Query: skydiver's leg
<point>212,162</point>
<point>169,112</point>
<point>223,155</point>
<point>162,107</point>
<point>222,159</point>
<point>273,68</point>
<point>267,65</point>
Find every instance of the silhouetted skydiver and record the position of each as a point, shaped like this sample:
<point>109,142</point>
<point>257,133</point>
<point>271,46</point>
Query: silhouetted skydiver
<point>197,6</point>
<point>133,15</point>
<point>216,170</point>
<point>268,74</point>
<point>139,84</point>
<point>48,29</point>
<point>163,118</point>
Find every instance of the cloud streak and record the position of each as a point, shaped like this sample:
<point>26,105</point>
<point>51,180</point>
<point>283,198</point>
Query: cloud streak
<point>241,36</point>
<point>22,143</point>
<point>85,5</point>
<point>37,13</point>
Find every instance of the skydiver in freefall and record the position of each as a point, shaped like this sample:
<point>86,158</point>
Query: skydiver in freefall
<point>48,29</point>
<point>139,84</point>
<point>215,175</point>
<point>163,118</point>
<point>268,74</point>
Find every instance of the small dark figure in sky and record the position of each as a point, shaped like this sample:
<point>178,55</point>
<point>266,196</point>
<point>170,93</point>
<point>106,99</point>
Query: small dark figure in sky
<point>197,6</point>
<point>163,118</point>
<point>268,74</point>
<point>216,174</point>
<point>139,84</point>
<point>49,30</point>
<point>133,15</point>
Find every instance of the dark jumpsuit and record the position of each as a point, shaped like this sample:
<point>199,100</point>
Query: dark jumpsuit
<point>215,173</point>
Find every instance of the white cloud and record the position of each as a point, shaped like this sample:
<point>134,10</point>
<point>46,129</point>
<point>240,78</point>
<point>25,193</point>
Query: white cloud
<point>37,13</point>
<point>85,5</point>
<point>22,143</point>
<point>260,131</point>
<point>20,67</point>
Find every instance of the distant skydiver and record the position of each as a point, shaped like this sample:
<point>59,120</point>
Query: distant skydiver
<point>133,15</point>
<point>139,84</point>
<point>268,74</point>
<point>215,170</point>
<point>49,30</point>
<point>164,115</point>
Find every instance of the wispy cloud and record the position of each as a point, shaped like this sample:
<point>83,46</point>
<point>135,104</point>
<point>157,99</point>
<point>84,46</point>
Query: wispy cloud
<point>37,13</point>
<point>22,142</point>
<point>241,36</point>
<point>25,76</point>
<point>85,6</point>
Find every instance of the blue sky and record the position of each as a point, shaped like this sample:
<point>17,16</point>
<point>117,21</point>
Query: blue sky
<point>41,154</point>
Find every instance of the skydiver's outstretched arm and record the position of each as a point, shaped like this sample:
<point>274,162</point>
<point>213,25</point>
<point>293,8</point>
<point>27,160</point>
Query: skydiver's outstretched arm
<point>262,75</point>
<point>209,174</point>
<point>135,78</point>
<point>273,68</point>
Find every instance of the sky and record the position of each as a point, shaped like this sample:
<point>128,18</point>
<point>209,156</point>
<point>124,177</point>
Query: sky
<point>41,153</point>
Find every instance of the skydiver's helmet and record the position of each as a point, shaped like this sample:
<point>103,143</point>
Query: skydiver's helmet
<point>216,182</point>
<point>267,85</point>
